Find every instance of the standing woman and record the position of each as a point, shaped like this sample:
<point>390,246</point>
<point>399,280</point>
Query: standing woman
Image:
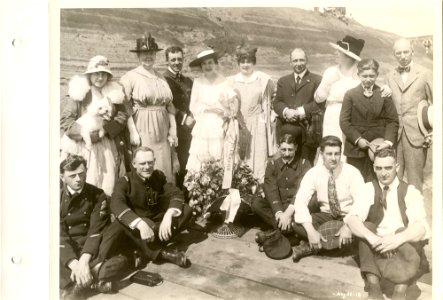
<point>336,81</point>
<point>151,100</point>
<point>207,90</point>
<point>255,90</point>
<point>366,116</point>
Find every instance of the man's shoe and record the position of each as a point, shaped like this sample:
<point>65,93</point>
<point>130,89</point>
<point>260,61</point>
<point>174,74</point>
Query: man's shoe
<point>262,236</point>
<point>110,268</point>
<point>176,257</point>
<point>74,292</point>
<point>105,287</point>
<point>302,250</point>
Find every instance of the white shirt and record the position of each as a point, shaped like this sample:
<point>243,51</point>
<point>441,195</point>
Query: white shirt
<point>348,184</point>
<point>300,109</point>
<point>415,210</point>
<point>301,75</point>
<point>72,192</point>
<point>404,75</point>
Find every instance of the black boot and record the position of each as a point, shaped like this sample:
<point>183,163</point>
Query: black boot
<point>176,257</point>
<point>302,250</point>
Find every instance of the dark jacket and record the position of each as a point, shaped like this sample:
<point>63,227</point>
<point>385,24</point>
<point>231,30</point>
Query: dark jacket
<point>82,220</point>
<point>282,181</point>
<point>134,198</point>
<point>369,118</point>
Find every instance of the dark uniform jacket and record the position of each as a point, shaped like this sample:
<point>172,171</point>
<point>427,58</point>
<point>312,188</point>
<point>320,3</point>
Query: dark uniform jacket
<point>369,118</point>
<point>282,181</point>
<point>134,198</point>
<point>82,220</point>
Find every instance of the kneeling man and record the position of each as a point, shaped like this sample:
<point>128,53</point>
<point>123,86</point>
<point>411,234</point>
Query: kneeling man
<point>149,209</point>
<point>395,229</point>
<point>337,185</point>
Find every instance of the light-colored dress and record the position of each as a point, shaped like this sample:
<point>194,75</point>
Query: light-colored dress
<point>207,134</point>
<point>150,95</point>
<point>334,101</point>
<point>253,147</point>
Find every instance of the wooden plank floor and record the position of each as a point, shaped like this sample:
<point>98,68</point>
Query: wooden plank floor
<point>235,269</point>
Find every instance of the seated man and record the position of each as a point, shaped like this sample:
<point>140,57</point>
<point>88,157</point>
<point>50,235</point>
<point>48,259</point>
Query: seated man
<point>282,180</point>
<point>389,204</point>
<point>149,209</point>
<point>83,218</point>
<point>337,185</point>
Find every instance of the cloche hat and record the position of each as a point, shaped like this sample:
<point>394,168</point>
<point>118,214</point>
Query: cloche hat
<point>98,63</point>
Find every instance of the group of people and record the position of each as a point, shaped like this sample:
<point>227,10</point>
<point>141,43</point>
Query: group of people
<point>127,148</point>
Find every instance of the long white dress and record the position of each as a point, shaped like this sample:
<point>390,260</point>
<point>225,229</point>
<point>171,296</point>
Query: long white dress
<point>334,101</point>
<point>207,134</point>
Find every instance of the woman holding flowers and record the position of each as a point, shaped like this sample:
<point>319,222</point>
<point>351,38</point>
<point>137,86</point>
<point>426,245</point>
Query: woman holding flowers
<point>211,104</point>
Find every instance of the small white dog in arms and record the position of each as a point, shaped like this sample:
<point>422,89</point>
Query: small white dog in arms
<point>92,120</point>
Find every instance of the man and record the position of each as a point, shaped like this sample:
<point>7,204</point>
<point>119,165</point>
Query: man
<point>181,87</point>
<point>410,83</point>
<point>83,218</point>
<point>282,180</point>
<point>294,102</point>
<point>337,185</point>
<point>389,204</point>
<point>149,209</point>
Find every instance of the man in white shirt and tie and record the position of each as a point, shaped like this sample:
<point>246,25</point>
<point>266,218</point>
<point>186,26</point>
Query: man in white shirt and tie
<point>337,185</point>
<point>389,219</point>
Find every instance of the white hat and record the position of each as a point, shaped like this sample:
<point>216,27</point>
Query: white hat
<point>98,63</point>
<point>202,56</point>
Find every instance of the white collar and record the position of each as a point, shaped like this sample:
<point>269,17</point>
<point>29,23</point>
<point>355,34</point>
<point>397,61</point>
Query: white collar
<point>72,192</point>
<point>336,171</point>
<point>394,184</point>
<point>301,75</point>
<point>172,71</point>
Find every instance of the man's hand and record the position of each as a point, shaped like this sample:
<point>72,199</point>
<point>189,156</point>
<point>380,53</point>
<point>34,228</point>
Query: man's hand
<point>345,236</point>
<point>315,239</point>
<point>363,143</point>
<point>165,230</point>
<point>382,146</point>
<point>284,219</point>
<point>146,232</point>
<point>189,121</point>
<point>83,272</point>
<point>388,243</point>
<point>385,91</point>
<point>291,114</point>
<point>95,136</point>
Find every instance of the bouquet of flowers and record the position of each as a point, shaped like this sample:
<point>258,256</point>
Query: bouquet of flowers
<point>205,186</point>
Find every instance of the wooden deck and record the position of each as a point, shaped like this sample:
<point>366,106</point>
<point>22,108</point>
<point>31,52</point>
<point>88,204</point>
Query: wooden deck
<point>235,269</point>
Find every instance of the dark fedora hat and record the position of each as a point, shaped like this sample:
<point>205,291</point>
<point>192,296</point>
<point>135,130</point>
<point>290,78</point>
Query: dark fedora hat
<point>202,56</point>
<point>145,44</point>
<point>277,246</point>
<point>350,46</point>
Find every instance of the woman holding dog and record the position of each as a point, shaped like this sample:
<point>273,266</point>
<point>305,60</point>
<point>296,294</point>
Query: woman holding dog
<point>367,117</point>
<point>107,155</point>
<point>152,109</point>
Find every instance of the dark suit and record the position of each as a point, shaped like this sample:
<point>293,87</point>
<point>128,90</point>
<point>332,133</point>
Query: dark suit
<point>134,198</point>
<point>369,118</point>
<point>406,96</point>
<point>290,95</point>
<point>280,186</point>
<point>83,218</point>
<point>181,91</point>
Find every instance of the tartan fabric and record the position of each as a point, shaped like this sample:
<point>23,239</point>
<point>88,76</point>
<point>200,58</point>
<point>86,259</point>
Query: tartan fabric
<point>328,230</point>
<point>332,197</point>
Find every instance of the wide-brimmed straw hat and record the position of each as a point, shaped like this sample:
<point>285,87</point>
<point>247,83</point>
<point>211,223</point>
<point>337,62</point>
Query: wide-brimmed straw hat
<point>424,116</point>
<point>202,56</point>
<point>350,46</point>
<point>98,63</point>
<point>146,44</point>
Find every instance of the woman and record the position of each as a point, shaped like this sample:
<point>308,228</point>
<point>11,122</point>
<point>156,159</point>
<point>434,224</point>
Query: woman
<point>106,158</point>
<point>336,81</point>
<point>255,90</point>
<point>366,116</point>
<point>207,108</point>
<point>151,100</point>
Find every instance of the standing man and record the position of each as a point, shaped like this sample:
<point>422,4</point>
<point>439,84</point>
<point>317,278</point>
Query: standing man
<point>337,185</point>
<point>282,180</point>
<point>410,83</point>
<point>181,87</point>
<point>149,209</point>
<point>390,220</point>
<point>295,104</point>
<point>83,218</point>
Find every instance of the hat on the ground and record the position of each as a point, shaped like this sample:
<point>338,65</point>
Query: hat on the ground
<point>98,63</point>
<point>401,267</point>
<point>146,44</point>
<point>375,142</point>
<point>202,56</point>
<point>277,246</point>
<point>425,118</point>
<point>328,230</point>
<point>350,46</point>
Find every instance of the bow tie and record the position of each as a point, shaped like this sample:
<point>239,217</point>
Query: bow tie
<point>403,69</point>
<point>367,93</point>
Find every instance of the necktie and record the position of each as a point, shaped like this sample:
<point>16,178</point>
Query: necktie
<point>404,69</point>
<point>297,80</point>
<point>384,195</point>
<point>178,75</point>
<point>332,197</point>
